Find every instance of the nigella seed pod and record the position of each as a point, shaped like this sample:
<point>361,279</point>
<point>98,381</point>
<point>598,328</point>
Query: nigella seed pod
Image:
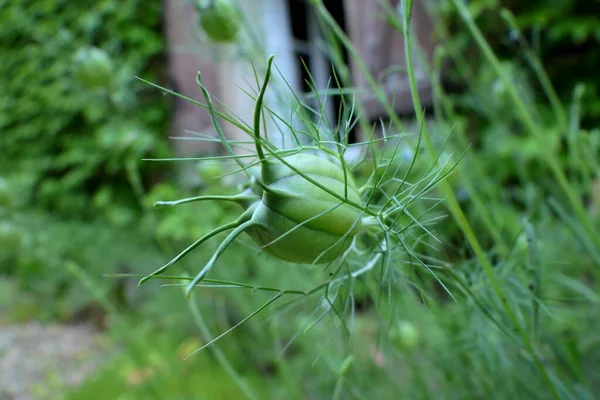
<point>301,208</point>
<point>300,222</point>
<point>220,20</point>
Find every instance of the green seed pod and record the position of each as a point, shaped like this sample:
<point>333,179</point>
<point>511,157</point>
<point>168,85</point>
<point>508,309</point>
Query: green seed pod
<point>93,68</point>
<point>406,336</point>
<point>220,20</point>
<point>299,222</point>
<point>302,208</point>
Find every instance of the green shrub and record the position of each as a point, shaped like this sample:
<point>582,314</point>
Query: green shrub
<point>75,124</point>
<point>565,35</point>
<point>66,143</point>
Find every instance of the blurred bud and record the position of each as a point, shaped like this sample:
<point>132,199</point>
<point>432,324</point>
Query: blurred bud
<point>405,336</point>
<point>10,239</point>
<point>93,68</point>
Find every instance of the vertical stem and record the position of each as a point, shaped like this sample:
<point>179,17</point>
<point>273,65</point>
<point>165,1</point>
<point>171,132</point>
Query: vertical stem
<point>459,215</point>
<point>529,123</point>
<point>258,108</point>
<point>219,355</point>
<point>215,123</point>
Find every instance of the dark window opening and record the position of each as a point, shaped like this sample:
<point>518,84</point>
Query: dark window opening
<point>299,16</point>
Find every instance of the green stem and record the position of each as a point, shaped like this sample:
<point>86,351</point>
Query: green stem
<point>236,198</point>
<point>481,198</point>
<point>222,247</point>
<point>379,94</point>
<point>191,247</point>
<point>458,213</point>
<point>536,65</point>
<point>217,126</point>
<point>258,109</point>
<point>258,310</point>
<point>235,377</point>
<point>442,103</point>
<point>529,123</point>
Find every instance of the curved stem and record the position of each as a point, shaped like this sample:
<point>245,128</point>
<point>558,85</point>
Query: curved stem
<point>222,247</point>
<point>191,247</point>
<point>235,198</point>
<point>219,355</point>
<point>457,212</point>
<point>528,122</point>
<point>258,109</point>
<point>213,117</point>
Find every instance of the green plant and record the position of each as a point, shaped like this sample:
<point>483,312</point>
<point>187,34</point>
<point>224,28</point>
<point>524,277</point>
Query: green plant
<point>381,241</point>
<point>488,317</point>
<point>46,112</point>
<point>497,299</point>
<point>303,208</point>
<point>563,35</point>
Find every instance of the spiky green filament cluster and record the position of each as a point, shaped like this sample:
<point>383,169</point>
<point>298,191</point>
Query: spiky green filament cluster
<point>302,208</point>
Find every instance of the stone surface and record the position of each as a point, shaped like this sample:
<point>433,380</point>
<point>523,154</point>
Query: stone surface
<point>40,361</point>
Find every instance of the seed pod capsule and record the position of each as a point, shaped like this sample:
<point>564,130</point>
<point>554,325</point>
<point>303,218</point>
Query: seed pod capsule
<point>220,21</point>
<point>303,208</point>
<point>299,222</point>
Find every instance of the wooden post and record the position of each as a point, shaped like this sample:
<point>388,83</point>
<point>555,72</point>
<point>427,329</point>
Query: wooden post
<point>185,59</point>
<point>381,48</point>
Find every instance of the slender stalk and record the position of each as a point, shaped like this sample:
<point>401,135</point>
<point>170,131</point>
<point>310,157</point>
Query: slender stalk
<point>222,247</point>
<point>213,117</point>
<point>474,165</point>
<point>235,377</point>
<point>258,109</point>
<point>235,198</point>
<point>459,215</point>
<point>258,310</point>
<point>536,131</point>
<point>536,65</point>
<point>191,247</point>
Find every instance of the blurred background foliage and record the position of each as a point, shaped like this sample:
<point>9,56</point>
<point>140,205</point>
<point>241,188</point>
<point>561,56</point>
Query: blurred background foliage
<point>564,35</point>
<point>74,192</point>
<point>71,151</point>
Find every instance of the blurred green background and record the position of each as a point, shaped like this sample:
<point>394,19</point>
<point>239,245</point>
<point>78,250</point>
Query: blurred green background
<point>76,206</point>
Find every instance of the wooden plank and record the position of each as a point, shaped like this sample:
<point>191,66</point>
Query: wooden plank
<point>381,48</point>
<point>185,59</point>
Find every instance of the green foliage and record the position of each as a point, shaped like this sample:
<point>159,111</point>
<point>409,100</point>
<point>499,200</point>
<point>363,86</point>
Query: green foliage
<point>5,196</point>
<point>564,34</point>
<point>58,136</point>
<point>76,124</point>
<point>510,177</point>
<point>157,371</point>
<point>49,243</point>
